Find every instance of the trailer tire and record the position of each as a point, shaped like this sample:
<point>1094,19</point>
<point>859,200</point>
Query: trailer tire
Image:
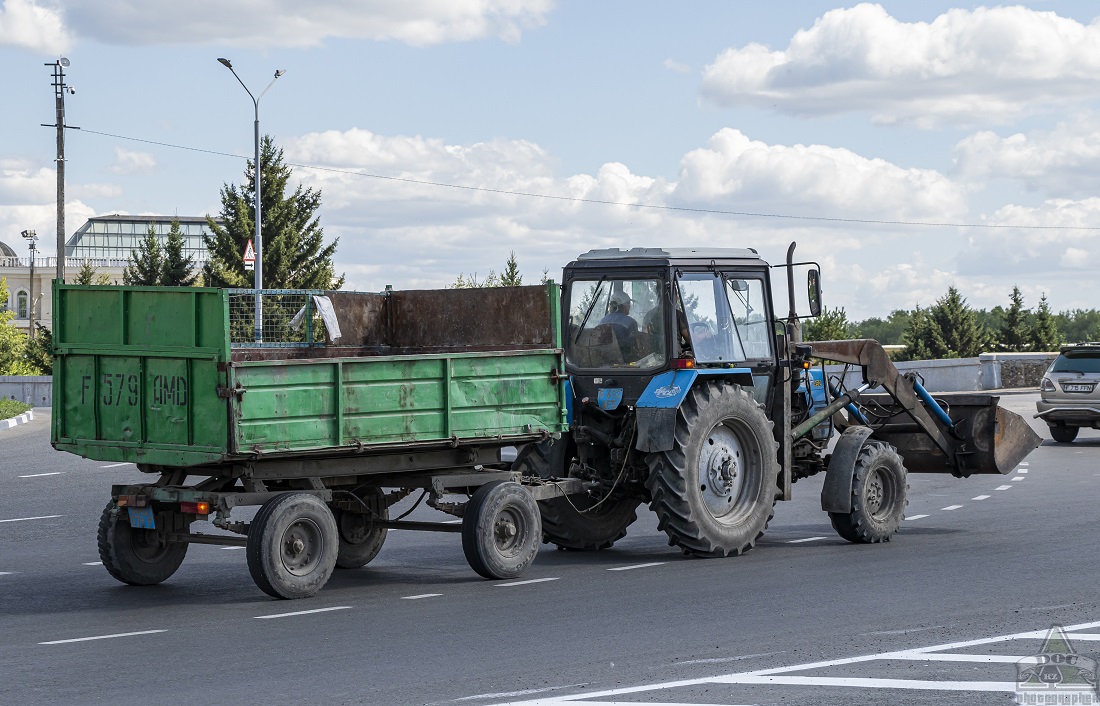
<point>714,491</point>
<point>359,540</point>
<point>1063,433</point>
<point>292,546</point>
<point>501,529</point>
<point>878,496</point>
<point>566,524</point>
<point>134,556</point>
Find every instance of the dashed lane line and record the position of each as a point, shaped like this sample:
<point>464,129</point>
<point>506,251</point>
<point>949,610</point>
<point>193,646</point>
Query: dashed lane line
<point>916,517</point>
<point>114,465</point>
<point>982,497</point>
<point>25,519</point>
<point>1017,478</point>
<point>6,573</point>
<point>636,566</point>
<point>524,583</point>
<point>1002,487</point>
<point>950,507</point>
<point>93,563</point>
<point>302,612</point>
<point>422,595</point>
<point>101,637</point>
<point>804,539</point>
<point>1021,470</point>
<point>39,475</point>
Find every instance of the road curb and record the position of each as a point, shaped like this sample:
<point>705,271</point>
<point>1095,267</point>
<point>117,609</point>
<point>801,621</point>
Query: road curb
<point>21,419</point>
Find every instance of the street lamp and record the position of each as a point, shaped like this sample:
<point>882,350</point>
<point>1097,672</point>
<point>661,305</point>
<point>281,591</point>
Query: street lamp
<point>32,239</point>
<point>258,242</point>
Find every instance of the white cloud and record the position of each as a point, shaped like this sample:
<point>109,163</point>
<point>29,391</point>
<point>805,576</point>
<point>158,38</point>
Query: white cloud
<point>1078,258</point>
<point>130,162</point>
<point>21,182</point>
<point>28,24</point>
<point>271,23</point>
<point>985,65</point>
<point>676,66</point>
<point>1064,161</point>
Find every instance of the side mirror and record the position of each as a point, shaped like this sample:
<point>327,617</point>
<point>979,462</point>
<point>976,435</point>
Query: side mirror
<point>813,286</point>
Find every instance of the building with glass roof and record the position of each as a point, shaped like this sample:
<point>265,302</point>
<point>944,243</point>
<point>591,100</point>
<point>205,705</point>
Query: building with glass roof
<point>104,241</point>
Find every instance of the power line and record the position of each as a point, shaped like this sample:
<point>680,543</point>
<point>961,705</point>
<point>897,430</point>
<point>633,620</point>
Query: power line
<point>603,202</point>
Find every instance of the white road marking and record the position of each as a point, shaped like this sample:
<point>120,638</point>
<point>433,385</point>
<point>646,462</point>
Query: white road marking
<point>525,692</point>
<point>916,517</point>
<point>1013,480</point>
<point>950,507</point>
<point>903,632</point>
<point>991,659</point>
<point>804,539</point>
<point>6,573</point>
<point>24,519</point>
<point>1025,463</point>
<point>982,497</point>
<point>1021,470</point>
<point>452,522</point>
<point>636,566</point>
<point>1002,487</point>
<point>739,658</point>
<point>524,583</point>
<point>93,563</point>
<point>101,637</point>
<point>1086,636</point>
<point>301,612</point>
<point>234,547</point>
<point>871,683</point>
<point>114,465</point>
<point>422,595</point>
<point>39,475</point>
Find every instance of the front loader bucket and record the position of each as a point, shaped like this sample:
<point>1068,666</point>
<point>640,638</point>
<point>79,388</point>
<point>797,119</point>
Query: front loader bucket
<point>993,439</point>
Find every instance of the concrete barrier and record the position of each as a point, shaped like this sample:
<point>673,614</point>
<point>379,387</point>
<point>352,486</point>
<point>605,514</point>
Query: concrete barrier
<point>34,390</point>
<point>989,371</point>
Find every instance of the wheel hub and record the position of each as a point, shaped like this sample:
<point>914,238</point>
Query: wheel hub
<point>720,470</point>
<point>302,545</point>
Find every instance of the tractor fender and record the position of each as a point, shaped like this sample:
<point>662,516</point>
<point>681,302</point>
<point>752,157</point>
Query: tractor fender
<point>836,492</point>
<point>657,406</point>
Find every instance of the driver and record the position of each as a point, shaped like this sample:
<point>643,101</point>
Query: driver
<point>618,317</point>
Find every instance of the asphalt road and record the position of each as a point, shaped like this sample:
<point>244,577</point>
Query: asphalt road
<point>805,618</point>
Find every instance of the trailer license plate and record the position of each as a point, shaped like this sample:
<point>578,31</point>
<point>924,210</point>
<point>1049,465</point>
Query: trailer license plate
<point>1077,387</point>
<point>142,517</point>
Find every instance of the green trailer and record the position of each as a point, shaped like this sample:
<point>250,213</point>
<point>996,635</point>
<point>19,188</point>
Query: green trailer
<point>422,390</point>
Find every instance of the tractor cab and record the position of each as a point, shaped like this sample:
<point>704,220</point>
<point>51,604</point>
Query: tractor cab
<point>631,315</point>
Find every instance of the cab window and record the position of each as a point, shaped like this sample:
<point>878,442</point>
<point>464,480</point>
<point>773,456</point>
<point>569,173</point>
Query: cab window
<point>616,323</point>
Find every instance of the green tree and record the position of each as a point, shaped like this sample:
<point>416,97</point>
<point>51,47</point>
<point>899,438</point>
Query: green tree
<point>890,331</point>
<point>1015,332</point>
<point>177,270</point>
<point>39,351</point>
<point>1079,325</point>
<point>88,274</point>
<point>13,344</point>
<point>958,326</point>
<point>1044,332</point>
<point>922,340</point>
<point>146,262</point>
<point>294,252</point>
<point>510,277</point>
<point>830,325</point>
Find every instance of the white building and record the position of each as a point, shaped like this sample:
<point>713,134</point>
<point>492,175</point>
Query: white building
<point>104,241</point>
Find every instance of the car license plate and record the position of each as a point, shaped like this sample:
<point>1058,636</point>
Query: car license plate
<point>142,517</point>
<point>1077,387</point>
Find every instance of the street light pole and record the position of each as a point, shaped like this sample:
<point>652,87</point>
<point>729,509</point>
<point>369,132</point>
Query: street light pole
<point>31,236</point>
<point>258,243</point>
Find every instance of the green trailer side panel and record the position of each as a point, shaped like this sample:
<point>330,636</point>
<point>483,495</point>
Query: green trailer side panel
<point>137,373</point>
<point>345,402</point>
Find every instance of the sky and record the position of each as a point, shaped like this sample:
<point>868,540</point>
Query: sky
<point>906,147</point>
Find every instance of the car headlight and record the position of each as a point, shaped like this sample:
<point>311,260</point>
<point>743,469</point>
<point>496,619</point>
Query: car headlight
<point>1047,385</point>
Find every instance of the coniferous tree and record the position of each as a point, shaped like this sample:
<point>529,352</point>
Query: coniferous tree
<point>922,339</point>
<point>87,273</point>
<point>1015,333</point>
<point>1044,331</point>
<point>177,270</point>
<point>511,276</point>
<point>830,325</point>
<point>294,252</point>
<point>958,326</point>
<point>146,262</point>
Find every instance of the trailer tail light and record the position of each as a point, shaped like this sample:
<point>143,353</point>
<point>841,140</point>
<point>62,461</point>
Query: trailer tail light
<point>193,508</point>
<point>132,501</point>
<point>683,363</point>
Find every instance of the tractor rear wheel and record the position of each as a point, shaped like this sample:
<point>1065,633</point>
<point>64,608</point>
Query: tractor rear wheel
<point>878,496</point>
<point>714,491</point>
<point>572,526</point>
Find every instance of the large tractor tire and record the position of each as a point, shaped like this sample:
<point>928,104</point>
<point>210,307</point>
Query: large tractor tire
<point>573,526</point>
<point>878,496</point>
<point>714,491</point>
<point>134,555</point>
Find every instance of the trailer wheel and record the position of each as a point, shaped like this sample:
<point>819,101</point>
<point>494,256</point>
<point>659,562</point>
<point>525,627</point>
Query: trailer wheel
<point>564,526</point>
<point>714,491</point>
<point>501,528</point>
<point>360,540</point>
<point>878,496</point>
<point>135,556</point>
<point>1063,434</point>
<point>292,546</point>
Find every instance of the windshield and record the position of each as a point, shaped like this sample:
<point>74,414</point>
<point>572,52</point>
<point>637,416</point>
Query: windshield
<point>725,318</point>
<point>1077,362</point>
<point>616,323</point>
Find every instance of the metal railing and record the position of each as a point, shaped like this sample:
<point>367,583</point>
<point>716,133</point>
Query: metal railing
<point>289,318</point>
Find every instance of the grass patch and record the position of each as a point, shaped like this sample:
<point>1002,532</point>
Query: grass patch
<point>12,408</point>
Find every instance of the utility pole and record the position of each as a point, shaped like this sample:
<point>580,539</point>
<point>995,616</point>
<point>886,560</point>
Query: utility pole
<point>59,89</point>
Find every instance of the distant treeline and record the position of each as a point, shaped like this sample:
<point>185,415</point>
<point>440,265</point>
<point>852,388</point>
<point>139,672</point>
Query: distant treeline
<point>950,328</point>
